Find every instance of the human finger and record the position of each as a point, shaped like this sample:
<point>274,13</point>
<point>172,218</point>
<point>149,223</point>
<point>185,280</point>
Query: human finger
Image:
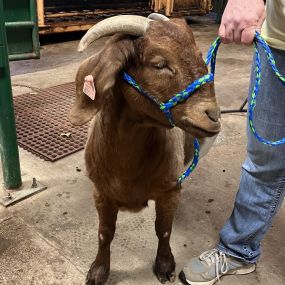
<point>222,32</point>
<point>247,35</point>
<point>229,35</point>
<point>237,36</point>
<point>260,22</point>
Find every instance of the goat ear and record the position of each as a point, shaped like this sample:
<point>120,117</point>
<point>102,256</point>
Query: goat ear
<point>105,68</point>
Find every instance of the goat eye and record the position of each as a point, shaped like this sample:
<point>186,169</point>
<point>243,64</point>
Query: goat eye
<point>160,65</point>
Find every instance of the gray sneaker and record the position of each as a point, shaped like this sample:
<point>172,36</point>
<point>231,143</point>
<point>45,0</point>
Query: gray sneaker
<point>210,266</point>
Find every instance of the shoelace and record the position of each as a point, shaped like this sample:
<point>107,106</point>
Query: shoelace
<point>216,257</point>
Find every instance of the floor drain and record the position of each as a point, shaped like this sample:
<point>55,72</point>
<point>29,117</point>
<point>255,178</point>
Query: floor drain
<point>42,124</point>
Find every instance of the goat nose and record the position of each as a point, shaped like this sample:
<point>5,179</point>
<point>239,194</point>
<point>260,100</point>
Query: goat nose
<point>214,114</point>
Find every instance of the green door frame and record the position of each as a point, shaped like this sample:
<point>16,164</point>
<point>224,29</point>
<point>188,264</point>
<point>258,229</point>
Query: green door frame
<point>14,27</point>
<point>29,49</point>
<point>8,138</point>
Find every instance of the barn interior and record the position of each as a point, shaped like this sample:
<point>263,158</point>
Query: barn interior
<point>51,238</point>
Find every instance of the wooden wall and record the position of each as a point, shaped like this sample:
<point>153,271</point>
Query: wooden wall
<point>69,5</point>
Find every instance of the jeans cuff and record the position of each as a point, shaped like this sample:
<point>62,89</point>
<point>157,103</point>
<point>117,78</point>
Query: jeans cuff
<point>221,248</point>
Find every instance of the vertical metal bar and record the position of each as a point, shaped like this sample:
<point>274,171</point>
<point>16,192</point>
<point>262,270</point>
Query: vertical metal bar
<point>35,33</point>
<point>8,138</point>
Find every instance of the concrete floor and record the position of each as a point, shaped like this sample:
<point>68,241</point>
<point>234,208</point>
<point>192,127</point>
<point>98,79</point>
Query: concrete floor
<point>51,238</point>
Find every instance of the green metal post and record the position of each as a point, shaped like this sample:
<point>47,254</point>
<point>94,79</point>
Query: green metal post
<point>8,138</point>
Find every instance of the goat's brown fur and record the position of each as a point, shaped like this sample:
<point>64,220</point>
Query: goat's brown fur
<point>132,154</point>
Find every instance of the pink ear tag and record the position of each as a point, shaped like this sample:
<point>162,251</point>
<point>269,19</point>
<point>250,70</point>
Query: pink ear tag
<point>89,87</point>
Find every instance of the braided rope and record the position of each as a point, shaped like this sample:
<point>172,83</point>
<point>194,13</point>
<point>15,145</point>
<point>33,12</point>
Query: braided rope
<point>211,58</point>
<point>189,90</point>
<point>165,108</point>
<point>193,164</point>
<point>212,54</point>
<point>134,84</point>
<point>255,92</point>
<point>259,39</point>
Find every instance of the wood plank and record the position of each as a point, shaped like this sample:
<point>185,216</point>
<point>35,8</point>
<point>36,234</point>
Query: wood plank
<point>41,13</point>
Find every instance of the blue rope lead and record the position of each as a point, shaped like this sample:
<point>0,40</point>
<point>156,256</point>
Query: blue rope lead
<point>166,106</point>
<point>255,92</point>
<point>211,58</point>
<point>194,163</point>
<point>186,93</point>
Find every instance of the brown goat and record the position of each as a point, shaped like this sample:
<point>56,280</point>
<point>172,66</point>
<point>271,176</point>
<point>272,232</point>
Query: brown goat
<point>133,154</point>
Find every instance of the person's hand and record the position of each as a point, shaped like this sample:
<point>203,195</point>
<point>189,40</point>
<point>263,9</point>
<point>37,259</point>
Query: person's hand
<point>240,20</point>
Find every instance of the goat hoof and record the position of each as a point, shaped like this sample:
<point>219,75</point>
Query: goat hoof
<point>97,274</point>
<point>165,269</point>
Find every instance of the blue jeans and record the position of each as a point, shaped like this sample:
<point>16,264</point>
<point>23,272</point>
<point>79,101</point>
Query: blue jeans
<point>262,184</point>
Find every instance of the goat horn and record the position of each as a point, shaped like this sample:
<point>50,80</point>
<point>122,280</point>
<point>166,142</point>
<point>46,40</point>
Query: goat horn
<point>130,24</point>
<point>157,17</point>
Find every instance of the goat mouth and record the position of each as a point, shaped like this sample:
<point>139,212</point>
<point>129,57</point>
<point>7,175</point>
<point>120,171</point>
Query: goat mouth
<point>189,126</point>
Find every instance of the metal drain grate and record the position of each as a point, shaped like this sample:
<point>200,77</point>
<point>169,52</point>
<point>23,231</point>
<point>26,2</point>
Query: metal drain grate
<point>42,124</point>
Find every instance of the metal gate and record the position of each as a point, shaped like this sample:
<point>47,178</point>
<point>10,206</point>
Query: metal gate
<point>20,41</point>
<point>22,30</point>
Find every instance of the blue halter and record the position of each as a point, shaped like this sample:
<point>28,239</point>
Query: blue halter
<point>166,109</point>
<point>178,98</point>
<point>189,90</point>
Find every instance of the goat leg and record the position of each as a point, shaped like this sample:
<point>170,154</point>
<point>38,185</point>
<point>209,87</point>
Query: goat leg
<point>100,268</point>
<point>165,208</point>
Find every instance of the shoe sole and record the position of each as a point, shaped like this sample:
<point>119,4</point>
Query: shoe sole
<point>241,271</point>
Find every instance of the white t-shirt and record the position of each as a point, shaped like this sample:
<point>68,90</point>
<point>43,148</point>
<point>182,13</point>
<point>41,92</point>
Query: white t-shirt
<point>273,29</point>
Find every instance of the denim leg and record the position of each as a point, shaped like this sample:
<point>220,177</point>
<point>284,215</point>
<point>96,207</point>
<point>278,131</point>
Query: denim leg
<point>262,184</point>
